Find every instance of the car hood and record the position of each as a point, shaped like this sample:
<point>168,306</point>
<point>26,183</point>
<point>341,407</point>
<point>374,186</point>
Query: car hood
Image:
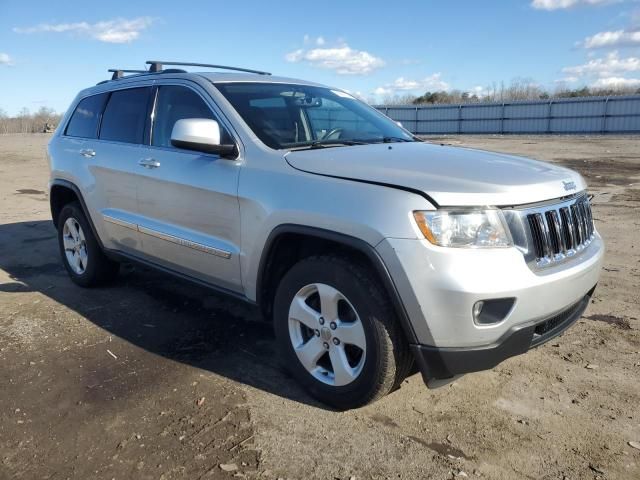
<point>451,176</point>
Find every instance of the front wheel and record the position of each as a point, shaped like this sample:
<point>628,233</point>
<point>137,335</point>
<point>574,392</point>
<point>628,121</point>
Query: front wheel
<point>338,333</point>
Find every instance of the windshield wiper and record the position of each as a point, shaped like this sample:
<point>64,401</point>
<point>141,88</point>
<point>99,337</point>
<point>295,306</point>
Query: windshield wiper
<point>395,139</point>
<point>388,140</point>
<point>328,144</point>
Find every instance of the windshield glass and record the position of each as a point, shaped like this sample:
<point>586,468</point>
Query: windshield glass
<point>292,116</point>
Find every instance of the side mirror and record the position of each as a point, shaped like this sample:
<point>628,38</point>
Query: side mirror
<point>201,135</point>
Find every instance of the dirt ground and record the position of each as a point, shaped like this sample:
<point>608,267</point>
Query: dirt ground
<point>156,378</point>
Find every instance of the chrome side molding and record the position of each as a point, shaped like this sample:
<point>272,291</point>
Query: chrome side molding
<point>121,223</point>
<point>183,242</point>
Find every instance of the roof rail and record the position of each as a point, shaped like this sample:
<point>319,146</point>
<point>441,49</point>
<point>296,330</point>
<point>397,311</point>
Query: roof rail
<point>156,66</point>
<point>119,73</point>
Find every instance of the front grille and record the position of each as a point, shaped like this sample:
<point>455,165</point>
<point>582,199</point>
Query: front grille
<point>560,231</point>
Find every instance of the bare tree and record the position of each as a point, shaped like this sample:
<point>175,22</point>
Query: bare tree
<point>27,122</point>
<point>407,99</point>
<point>522,89</point>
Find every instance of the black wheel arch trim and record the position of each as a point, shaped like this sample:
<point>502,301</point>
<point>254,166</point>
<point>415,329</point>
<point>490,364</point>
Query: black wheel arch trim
<point>353,242</point>
<point>74,188</point>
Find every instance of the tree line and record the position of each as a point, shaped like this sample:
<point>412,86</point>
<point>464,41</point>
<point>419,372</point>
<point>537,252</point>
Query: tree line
<point>518,90</point>
<point>44,119</point>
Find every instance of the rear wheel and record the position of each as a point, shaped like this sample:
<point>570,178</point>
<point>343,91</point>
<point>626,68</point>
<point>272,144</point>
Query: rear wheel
<point>338,333</point>
<point>81,254</point>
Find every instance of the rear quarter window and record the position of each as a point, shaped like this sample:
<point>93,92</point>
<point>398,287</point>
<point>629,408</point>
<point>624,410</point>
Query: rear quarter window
<point>85,118</point>
<point>125,115</point>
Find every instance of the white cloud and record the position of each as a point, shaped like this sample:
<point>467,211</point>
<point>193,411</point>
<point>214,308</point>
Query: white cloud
<point>381,91</point>
<point>5,59</point>
<point>610,71</point>
<point>479,91</point>
<point>563,4</point>
<point>613,39</point>
<point>343,59</point>
<point>295,56</point>
<point>607,66</point>
<point>431,83</point>
<point>616,82</point>
<point>120,30</point>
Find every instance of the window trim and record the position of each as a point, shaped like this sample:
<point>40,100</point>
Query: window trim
<point>99,115</point>
<point>209,103</point>
<point>146,114</point>
<point>197,87</point>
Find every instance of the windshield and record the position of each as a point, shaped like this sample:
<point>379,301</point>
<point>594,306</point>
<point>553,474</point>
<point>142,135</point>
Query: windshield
<point>298,116</point>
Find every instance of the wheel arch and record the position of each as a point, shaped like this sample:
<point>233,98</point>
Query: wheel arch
<point>63,192</point>
<point>289,243</point>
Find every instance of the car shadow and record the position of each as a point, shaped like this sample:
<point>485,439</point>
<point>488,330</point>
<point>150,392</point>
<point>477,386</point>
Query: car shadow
<point>167,316</point>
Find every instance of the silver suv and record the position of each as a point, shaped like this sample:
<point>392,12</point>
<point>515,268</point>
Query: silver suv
<point>370,250</point>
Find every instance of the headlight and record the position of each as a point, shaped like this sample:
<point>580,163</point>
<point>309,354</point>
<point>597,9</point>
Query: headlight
<point>474,228</point>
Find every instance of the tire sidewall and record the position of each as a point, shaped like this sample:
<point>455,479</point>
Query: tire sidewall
<point>93,249</point>
<point>365,303</point>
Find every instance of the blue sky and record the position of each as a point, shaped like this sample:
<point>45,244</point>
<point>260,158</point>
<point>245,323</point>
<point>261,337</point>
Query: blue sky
<point>50,50</point>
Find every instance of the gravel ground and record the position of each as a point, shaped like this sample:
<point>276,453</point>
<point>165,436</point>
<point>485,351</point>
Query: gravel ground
<point>153,377</point>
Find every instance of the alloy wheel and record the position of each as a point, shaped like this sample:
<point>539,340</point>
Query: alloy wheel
<point>327,335</point>
<point>75,246</point>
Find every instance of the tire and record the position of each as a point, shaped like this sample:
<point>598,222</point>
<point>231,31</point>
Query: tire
<point>367,368</point>
<point>81,254</point>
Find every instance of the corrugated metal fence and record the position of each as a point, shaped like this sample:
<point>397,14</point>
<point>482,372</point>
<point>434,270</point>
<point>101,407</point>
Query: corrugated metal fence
<point>561,115</point>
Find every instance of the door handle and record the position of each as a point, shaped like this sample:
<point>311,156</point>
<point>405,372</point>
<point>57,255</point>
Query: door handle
<point>88,153</point>
<point>149,163</point>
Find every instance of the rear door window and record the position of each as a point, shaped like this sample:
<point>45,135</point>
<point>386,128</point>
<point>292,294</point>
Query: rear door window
<point>125,115</point>
<point>85,118</point>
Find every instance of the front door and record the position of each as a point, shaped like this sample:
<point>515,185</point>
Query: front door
<point>189,213</point>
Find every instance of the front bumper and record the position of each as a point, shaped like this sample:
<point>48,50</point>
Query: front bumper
<point>447,362</point>
<point>439,287</point>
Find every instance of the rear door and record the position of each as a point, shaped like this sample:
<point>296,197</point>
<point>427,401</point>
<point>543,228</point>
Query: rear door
<point>76,154</point>
<point>188,200</point>
<point>115,165</point>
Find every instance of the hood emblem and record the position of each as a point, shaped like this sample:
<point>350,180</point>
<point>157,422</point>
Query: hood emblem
<point>569,185</point>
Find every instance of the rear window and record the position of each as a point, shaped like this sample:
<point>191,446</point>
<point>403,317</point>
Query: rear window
<point>84,121</point>
<point>125,115</point>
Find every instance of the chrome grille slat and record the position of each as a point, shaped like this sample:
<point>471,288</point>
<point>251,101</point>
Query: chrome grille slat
<point>536,232</point>
<point>546,236</point>
<point>587,226</point>
<point>559,231</point>
<point>587,207</point>
<point>577,224</point>
<point>583,219</point>
<point>567,226</point>
<point>554,216</point>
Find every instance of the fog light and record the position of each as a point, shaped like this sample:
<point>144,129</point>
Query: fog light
<point>477,309</point>
<point>489,312</point>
